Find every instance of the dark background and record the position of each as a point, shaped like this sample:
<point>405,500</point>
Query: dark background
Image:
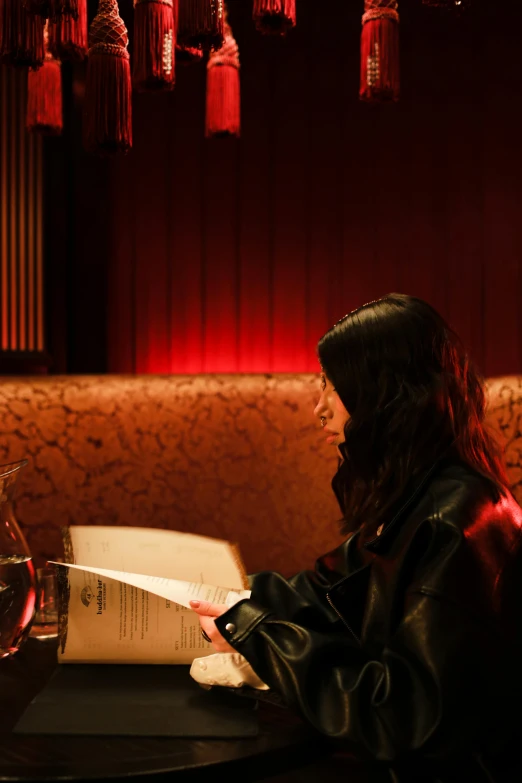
<point>197,255</point>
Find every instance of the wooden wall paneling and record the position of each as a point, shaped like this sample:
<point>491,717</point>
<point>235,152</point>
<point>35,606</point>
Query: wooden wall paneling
<point>4,217</point>
<point>21,226</point>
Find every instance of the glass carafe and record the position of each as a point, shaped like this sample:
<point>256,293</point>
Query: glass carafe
<point>17,573</point>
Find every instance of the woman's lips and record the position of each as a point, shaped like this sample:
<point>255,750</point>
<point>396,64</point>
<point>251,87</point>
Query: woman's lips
<point>331,435</point>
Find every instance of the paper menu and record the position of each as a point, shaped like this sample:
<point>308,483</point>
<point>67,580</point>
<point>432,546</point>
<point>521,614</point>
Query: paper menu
<point>156,552</point>
<point>139,614</point>
<point>179,592</point>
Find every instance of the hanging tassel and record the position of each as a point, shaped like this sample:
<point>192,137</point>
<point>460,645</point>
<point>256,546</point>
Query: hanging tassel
<point>68,36</point>
<point>223,116</point>
<point>52,9</point>
<point>21,36</point>
<point>154,42</point>
<point>44,95</point>
<point>107,113</point>
<point>274,17</point>
<point>188,54</point>
<point>184,55</point>
<point>380,70</point>
<point>201,24</point>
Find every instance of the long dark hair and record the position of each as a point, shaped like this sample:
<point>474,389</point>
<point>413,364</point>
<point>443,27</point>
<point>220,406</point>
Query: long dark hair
<point>413,395</point>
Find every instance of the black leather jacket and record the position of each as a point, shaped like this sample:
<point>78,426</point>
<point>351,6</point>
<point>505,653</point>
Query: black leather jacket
<point>405,649</point>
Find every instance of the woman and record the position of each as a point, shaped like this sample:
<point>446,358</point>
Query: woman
<point>404,644</point>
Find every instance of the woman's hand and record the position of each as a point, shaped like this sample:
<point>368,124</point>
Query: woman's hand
<point>207,612</point>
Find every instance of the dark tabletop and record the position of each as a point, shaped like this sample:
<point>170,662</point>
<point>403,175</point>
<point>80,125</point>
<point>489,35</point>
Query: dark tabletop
<point>283,743</point>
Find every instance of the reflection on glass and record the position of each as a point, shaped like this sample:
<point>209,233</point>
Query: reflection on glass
<point>17,574</point>
<point>45,625</point>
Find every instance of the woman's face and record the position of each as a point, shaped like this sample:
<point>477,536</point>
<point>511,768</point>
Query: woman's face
<point>331,412</point>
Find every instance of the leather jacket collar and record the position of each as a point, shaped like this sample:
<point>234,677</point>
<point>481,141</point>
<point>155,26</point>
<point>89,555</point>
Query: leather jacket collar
<point>416,489</point>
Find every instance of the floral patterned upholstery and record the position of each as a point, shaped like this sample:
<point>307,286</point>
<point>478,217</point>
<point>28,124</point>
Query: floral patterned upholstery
<point>505,419</point>
<point>239,457</point>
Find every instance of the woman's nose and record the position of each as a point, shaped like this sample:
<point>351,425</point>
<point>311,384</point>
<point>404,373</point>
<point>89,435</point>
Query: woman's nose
<point>319,409</point>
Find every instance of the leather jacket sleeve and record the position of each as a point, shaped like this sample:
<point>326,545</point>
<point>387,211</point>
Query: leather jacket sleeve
<point>425,691</point>
<point>302,598</point>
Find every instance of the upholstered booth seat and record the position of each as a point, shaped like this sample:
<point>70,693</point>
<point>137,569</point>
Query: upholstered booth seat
<point>237,457</point>
<point>234,456</point>
<point>505,418</point>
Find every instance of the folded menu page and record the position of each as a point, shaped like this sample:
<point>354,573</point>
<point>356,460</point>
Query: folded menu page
<point>124,593</point>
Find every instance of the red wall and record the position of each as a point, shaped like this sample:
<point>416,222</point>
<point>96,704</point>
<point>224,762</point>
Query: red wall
<point>237,256</point>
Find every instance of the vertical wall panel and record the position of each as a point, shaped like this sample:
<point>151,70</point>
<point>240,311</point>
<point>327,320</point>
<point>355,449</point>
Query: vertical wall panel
<point>4,177</point>
<point>220,198</point>
<point>14,132</point>
<point>38,190</point>
<point>31,244</point>
<point>185,216</point>
<point>152,234</point>
<point>21,229</point>
<point>325,120</point>
<point>256,210</point>
<point>289,113</point>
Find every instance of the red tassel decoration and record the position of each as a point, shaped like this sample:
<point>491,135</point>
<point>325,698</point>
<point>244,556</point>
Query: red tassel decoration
<point>188,54</point>
<point>21,36</point>
<point>107,111</point>
<point>223,116</point>
<point>184,54</point>
<point>68,36</point>
<point>154,42</point>
<point>44,96</point>
<point>380,69</point>
<point>52,9</point>
<point>274,17</point>
<point>201,24</point>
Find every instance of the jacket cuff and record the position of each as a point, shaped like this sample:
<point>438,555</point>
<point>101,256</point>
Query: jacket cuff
<point>240,620</point>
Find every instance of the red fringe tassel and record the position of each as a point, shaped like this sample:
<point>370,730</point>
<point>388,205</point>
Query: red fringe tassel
<point>184,54</point>
<point>201,24</point>
<point>154,45</point>
<point>187,54</point>
<point>107,111</point>
<point>223,115</point>
<point>44,98</point>
<point>68,36</point>
<point>274,17</point>
<point>380,68</point>
<point>21,36</point>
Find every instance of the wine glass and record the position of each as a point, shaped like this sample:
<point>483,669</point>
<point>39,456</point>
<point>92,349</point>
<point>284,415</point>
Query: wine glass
<point>17,573</point>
